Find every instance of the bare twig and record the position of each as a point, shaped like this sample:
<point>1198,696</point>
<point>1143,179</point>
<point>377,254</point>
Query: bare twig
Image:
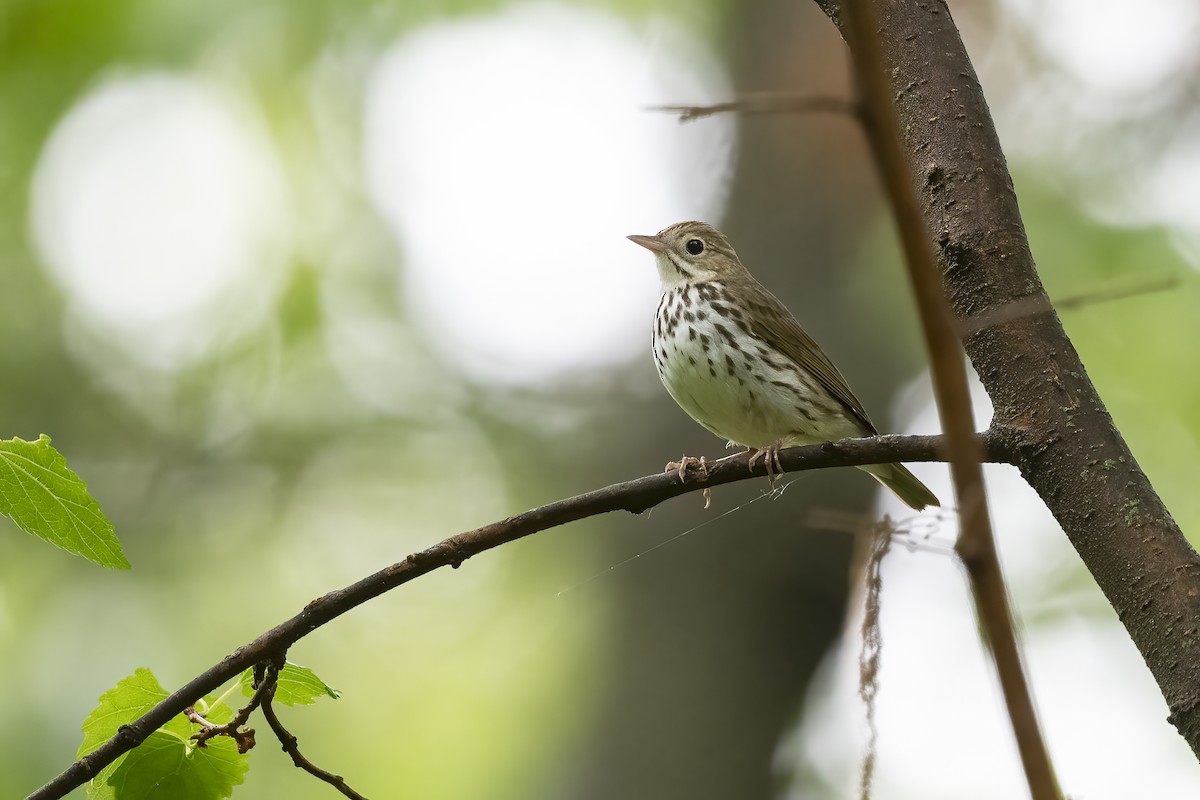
<point>244,739</point>
<point>1109,293</point>
<point>766,103</point>
<point>1040,304</point>
<point>976,545</point>
<point>194,716</point>
<point>635,496</point>
<point>291,747</point>
<point>266,684</point>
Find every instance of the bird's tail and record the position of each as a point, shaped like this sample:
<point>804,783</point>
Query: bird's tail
<point>896,477</point>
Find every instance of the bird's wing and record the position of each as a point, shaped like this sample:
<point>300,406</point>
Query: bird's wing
<point>770,321</point>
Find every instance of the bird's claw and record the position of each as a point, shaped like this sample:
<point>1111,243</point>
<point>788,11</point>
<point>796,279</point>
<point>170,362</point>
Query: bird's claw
<point>770,458</point>
<point>681,466</point>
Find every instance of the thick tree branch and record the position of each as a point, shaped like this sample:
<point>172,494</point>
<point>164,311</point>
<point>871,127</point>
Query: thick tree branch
<point>634,496</point>
<point>1046,408</point>
<point>976,545</point>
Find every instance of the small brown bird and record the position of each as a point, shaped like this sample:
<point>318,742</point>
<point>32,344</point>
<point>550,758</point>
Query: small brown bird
<point>735,359</point>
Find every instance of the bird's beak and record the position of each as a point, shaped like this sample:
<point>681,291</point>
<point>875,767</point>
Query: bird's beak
<point>651,243</point>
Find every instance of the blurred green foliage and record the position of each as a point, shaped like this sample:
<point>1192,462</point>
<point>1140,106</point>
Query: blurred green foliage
<point>1134,348</point>
<point>246,506</point>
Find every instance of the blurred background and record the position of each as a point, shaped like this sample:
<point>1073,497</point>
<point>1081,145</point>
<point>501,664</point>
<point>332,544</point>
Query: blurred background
<point>300,288</point>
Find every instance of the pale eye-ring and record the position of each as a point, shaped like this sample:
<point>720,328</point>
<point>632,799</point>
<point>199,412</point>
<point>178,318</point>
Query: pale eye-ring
<point>695,246</point>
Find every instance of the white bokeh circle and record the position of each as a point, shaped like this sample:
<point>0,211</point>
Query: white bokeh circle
<point>511,154</point>
<point>159,207</point>
<point>1115,48</point>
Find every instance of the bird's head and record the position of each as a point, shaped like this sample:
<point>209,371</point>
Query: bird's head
<point>691,252</point>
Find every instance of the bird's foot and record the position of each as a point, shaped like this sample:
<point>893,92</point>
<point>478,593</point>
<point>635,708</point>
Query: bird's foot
<point>770,458</point>
<point>681,466</point>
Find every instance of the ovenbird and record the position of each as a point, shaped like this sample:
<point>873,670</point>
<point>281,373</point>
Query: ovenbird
<point>735,359</point>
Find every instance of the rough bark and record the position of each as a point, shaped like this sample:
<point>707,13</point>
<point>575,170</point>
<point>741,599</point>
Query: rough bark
<point>1047,411</point>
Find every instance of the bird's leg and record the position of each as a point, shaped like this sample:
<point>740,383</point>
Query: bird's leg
<point>770,454</point>
<point>683,463</point>
<point>774,452</point>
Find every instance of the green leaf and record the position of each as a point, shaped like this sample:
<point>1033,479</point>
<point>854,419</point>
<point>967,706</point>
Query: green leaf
<point>165,768</point>
<point>167,764</point>
<point>297,686</point>
<point>43,496</point>
<point>129,699</point>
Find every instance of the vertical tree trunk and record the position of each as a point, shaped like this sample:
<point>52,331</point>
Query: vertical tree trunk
<point>1047,411</point>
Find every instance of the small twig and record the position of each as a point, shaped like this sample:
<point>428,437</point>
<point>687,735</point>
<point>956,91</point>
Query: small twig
<point>194,716</point>
<point>766,103</point>
<point>1039,304</point>
<point>976,544</point>
<point>290,743</point>
<point>1106,294</point>
<point>244,739</point>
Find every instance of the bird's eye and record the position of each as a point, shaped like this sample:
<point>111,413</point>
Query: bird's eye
<point>695,246</point>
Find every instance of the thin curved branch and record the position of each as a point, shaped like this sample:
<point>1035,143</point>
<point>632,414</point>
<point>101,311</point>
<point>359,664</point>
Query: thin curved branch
<point>634,496</point>
<point>267,681</point>
<point>291,746</point>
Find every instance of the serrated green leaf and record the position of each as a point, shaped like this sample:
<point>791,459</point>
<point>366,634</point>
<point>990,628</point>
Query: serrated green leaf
<point>167,764</point>
<point>297,686</point>
<point>129,699</point>
<point>165,768</point>
<point>44,497</point>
